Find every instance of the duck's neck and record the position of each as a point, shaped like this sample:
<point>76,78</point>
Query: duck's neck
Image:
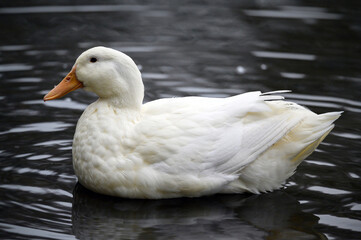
<point>123,103</point>
<point>129,98</point>
<point>107,111</point>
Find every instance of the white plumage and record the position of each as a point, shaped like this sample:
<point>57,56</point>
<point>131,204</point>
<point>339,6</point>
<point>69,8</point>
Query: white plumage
<point>189,146</point>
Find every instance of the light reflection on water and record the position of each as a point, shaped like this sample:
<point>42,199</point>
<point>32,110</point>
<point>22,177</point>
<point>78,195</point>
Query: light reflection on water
<point>213,50</point>
<point>38,127</point>
<point>281,55</point>
<point>294,12</point>
<point>15,67</point>
<point>72,9</point>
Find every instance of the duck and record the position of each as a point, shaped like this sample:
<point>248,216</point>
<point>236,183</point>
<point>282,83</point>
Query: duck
<point>185,146</point>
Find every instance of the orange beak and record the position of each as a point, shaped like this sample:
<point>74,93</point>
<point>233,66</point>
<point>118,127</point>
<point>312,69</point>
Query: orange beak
<point>68,84</point>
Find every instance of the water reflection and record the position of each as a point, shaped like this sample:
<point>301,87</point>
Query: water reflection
<point>273,216</point>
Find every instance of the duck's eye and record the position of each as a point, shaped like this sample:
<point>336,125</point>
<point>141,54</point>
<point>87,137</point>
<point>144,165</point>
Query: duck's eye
<point>93,60</point>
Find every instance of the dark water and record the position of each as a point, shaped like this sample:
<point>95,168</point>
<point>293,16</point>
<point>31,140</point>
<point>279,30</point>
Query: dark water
<point>208,49</point>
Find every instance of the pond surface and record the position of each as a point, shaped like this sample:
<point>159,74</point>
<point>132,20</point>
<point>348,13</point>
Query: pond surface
<point>212,48</point>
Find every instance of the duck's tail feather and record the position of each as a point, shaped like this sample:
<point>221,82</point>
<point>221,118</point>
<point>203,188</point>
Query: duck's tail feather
<point>280,161</point>
<point>276,92</point>
<point>318,130</point>
<point>268,96</point>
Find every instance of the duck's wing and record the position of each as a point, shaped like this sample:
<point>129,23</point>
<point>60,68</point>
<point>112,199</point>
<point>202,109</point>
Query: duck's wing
<point>209,135</point>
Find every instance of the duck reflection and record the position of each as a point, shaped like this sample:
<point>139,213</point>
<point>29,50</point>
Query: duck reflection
<point>268,216</point>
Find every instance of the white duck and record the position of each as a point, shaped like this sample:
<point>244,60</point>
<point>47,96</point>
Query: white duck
<point>182,147</point>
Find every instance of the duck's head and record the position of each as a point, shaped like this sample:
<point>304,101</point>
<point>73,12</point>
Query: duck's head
<point>110,74</point>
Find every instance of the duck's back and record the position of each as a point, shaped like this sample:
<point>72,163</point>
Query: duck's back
<point>209,145</point>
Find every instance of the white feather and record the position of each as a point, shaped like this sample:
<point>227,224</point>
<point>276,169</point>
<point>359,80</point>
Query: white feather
<point>188,146</point>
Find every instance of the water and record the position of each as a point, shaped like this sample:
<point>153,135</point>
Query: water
<point>213,49</point>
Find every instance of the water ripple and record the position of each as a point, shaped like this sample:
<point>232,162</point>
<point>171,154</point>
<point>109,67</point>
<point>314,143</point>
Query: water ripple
<point>326,101</point>
<point>340,222</point>
<point>72,9</point>
<point>66,103</point>
<point>318,98</point>
<point>331,191</point>
<point>35,190</point>
<point>11,48</point>
<point>284,55</point>
<point>30,170</point>
<point>293,75</point>
<point>55,142</point>
<point>39,127</point>
<point>25,80</point>
<point>14,67</point>
<point>33,232</point>
<point>124,47</point>
<point>293,13</point>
